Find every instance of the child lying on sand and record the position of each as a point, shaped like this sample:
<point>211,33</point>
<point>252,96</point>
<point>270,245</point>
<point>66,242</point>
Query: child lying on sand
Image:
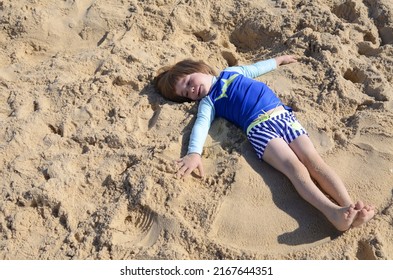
<point>271,127</point>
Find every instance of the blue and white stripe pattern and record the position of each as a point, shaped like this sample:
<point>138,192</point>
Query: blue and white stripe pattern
<point>284,125</point>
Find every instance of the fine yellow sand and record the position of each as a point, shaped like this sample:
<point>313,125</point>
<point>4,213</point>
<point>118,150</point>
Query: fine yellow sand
<point>87,146</point>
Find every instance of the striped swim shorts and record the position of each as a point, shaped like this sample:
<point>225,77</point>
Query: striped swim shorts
<point>283,125</point>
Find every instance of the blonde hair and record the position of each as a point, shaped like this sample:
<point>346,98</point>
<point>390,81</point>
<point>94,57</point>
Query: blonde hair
<point>168,76</point>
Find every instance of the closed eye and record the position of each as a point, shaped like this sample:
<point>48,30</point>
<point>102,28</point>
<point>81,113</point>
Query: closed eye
<point>187,85</point>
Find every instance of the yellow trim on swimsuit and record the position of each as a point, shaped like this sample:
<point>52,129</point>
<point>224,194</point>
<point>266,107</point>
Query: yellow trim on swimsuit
<point>262,118</point>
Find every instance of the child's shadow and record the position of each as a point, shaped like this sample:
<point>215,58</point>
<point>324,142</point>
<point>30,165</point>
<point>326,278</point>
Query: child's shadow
<point>313,226</point>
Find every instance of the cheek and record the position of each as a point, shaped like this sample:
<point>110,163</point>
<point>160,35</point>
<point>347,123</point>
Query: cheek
<point>177,89</point>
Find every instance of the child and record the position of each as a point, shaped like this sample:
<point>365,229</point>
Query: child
<point>271,127</point>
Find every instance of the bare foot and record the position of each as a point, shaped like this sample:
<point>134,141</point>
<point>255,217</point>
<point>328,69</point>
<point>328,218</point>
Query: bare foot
<point>365,213</point>
<point>344,217</point>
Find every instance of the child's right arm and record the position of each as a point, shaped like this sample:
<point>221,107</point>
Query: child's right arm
<point>198,136</point>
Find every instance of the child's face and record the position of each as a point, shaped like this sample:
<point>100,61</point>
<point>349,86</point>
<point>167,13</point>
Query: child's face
<point>194,86</point>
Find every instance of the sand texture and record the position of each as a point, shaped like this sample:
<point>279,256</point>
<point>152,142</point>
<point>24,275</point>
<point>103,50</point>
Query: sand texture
<point>87,146</point>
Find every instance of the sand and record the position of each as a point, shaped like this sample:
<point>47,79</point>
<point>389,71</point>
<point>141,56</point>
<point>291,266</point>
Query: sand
<point>88,146</point>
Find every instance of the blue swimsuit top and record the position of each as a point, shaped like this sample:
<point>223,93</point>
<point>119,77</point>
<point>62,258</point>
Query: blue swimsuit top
<point>235,96</point>
<point>240,99</point>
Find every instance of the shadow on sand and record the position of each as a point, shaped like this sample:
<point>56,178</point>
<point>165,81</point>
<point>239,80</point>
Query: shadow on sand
<point>313,226</point>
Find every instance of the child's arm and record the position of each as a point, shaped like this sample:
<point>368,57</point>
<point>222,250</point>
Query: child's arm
<point>198,136</point>
<point>262,67</point>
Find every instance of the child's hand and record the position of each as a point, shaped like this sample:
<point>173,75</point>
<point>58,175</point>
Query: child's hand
<point>285,59</point>
<point>188,164</point>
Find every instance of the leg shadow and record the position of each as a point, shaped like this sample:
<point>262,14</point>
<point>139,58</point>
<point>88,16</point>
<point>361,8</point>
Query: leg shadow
<point>313,226</point>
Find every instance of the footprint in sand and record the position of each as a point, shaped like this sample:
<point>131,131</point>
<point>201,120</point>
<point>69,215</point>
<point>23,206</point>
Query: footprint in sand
<point>136,227</point>
<point>148,117</point>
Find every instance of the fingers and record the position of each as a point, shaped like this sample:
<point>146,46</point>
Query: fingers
<point>201,171</point>
<point>290,59</point>
<point>187,172</point>
<point>179,160</point>
<point>181,172</point>
<point>286,59</point>
<point>182,168</point>
<point>186,168</point>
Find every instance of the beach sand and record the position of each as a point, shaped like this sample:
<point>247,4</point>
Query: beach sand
<point>87,146</point>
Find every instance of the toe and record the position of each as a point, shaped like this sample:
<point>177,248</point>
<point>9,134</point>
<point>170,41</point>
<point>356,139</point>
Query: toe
<point>359,205</point>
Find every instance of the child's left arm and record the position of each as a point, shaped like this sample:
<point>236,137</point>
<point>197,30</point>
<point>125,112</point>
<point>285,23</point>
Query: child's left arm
<point>262,67</point>
<point>285,59</point>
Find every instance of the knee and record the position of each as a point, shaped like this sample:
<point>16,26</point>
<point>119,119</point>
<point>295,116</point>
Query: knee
<point>295,169</point>
<point>312,161</point>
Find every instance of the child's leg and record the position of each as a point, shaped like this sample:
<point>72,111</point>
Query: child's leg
<point>281,156</point>
<point>327,179</point>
